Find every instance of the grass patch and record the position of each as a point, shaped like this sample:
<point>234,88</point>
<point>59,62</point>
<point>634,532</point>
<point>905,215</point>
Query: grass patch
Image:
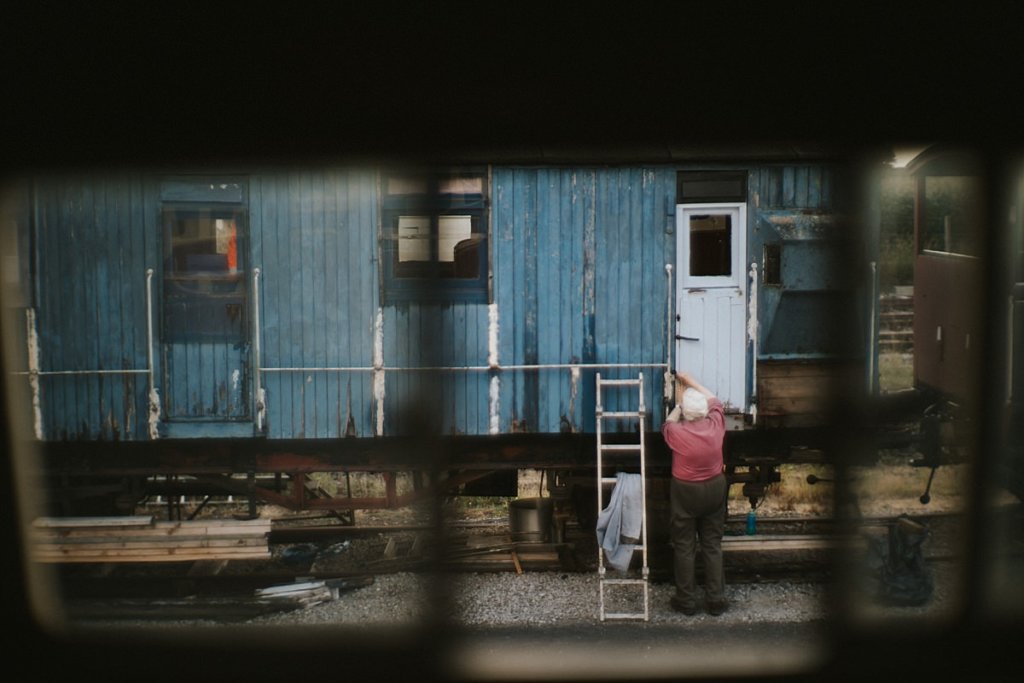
<point>889,485</point>
<point>895,371</point>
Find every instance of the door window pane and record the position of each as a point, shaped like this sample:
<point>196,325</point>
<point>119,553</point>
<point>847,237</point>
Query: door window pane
<point>204,289</point>
<point>711,245</point>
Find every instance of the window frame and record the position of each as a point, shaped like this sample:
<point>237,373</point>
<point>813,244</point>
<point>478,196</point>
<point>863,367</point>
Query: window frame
<point>432,286</point>
<point>237,332</point>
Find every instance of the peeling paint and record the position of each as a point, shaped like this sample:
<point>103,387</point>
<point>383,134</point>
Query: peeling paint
<point>493,405</point>
<point>804,225</point>
<point>236,379</point>
<point>492,335</point>
<point>752,307</point>
<point>574,386</point>
<point>261,407</point>
<point>378,371</point>
<point>33,371</point>
<point>493,402</point>
<point>154,413</point>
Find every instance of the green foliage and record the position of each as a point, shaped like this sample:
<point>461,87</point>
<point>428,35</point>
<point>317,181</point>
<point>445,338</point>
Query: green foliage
<point>895,371</point>
<point>896,242</point>
<point>896,262</point>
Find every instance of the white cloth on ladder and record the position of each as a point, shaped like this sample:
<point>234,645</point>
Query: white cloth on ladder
<point>618,525</point>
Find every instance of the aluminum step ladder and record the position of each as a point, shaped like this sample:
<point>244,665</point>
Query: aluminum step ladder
<point>603,481</point>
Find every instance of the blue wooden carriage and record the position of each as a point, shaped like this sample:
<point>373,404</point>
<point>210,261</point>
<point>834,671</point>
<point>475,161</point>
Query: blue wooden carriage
<point>322,308</point>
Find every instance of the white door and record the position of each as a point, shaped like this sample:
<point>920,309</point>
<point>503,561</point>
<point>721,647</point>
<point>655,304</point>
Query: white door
<point>710,303</point>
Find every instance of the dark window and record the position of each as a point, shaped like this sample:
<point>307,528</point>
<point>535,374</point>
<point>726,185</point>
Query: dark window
<point>952,214</point>
<point>698,187</point>
<point>434,236</point>
<point>204,283</point>
<point>711,245</point>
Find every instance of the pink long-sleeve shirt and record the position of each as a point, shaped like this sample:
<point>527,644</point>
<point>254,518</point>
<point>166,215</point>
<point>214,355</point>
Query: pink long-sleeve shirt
<point>697,445</point>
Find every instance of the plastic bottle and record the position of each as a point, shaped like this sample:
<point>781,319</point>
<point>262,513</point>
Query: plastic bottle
<point>751,523</point>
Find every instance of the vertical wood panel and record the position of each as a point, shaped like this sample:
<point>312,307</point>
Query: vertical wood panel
<point>800,187</point>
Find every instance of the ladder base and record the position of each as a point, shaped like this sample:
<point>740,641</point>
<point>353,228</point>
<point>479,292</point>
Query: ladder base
<point>625,615</point>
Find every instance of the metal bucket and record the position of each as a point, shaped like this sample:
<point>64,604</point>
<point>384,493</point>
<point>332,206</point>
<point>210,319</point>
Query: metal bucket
<point>529,519</point>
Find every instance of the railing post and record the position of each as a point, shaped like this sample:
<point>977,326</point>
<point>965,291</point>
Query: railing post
<point>154,397</point>
<point>259,394</point>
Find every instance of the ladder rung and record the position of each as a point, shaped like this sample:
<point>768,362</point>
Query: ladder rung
<point>625,581</point>
<point>623,414</point>
<point>621,447</point>
<point>609,480</point>
<point>619,382</point>
<point>625,615</point>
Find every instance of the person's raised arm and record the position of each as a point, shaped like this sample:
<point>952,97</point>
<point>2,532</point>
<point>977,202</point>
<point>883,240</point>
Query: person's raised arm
<point>687,380</point>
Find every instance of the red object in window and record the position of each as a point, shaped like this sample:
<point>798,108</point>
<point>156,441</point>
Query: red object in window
<point>233,249</point>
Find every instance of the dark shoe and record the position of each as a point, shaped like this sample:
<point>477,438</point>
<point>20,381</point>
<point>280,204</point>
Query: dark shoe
<point>716,608</point>
<point>679,606</point>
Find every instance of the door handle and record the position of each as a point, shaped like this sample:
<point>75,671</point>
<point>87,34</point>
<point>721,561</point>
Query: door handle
<point>682,338</point>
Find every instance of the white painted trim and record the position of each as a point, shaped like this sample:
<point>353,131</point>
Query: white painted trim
<point>712,287</point>
<point>33,371</point>
<point>378,371</point>
<point>739,255</point>
<point>494,392</point>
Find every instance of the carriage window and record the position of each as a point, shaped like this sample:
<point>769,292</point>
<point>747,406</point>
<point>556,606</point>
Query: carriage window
<point>952,214</point>
<point>697,187</point>
<point>204,290</point>
<point>711,245</point>
<point>434,236</point>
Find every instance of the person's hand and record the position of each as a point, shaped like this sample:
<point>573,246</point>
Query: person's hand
<point>685,378</point>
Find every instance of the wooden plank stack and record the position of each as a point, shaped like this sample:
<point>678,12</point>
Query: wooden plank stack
<point>142,539</point>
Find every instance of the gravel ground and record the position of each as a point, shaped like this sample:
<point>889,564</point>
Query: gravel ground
<point>570,599</point>
<point>560,599</point>
<point>541,599</point>
<point>546,625</point>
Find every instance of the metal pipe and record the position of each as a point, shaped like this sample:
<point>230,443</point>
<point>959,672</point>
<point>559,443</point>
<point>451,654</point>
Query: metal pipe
<point>259,397</point>
<point>149,328</point>
<point>670,380</point>
<point>473,368</point>
<point>154,398</point>
<point>48,373</point>
<point>753,333</point>
<point>872,341</point>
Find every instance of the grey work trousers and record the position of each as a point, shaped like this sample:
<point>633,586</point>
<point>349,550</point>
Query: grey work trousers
<point>698,510</point>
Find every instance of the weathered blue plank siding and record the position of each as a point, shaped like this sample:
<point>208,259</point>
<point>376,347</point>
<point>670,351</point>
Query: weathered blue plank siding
<point>577,255</point>
<point>92,256</point>
<point>579,277</point>
<point>419,339</point>
<point>313,237</point>
<point>794,207</point>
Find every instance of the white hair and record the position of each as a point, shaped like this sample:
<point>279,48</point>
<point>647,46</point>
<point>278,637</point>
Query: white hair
<point>695,405</point>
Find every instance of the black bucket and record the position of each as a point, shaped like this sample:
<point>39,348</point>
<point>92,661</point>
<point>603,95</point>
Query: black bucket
<point>529,519</point>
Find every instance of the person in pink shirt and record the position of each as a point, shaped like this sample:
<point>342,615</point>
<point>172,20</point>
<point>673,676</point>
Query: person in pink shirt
<point>695,431</point>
